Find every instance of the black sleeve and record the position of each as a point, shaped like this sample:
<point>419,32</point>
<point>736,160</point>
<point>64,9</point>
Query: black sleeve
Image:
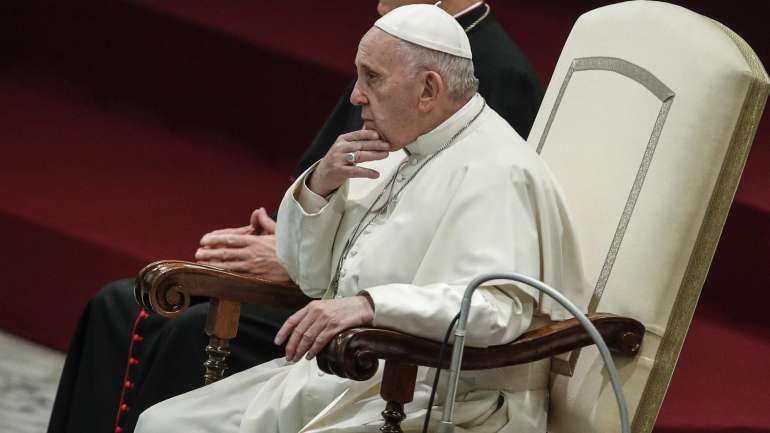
<point>516,97</point>
<point>345,118</point>
<point>507,80</point>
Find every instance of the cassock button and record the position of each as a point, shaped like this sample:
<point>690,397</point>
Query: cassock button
<point>128,384</point>
<point>118,429</point>
<point>124,407</point>
<point>353,253</point>
<point>143,314</point>
<point>137,338</point>
<point>133,361</point>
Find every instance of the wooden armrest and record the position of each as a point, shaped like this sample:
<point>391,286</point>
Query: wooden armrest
<point>166,287</point>
<point>355,353</point>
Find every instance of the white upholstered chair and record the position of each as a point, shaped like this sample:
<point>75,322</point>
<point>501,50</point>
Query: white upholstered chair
<point>647,123</point>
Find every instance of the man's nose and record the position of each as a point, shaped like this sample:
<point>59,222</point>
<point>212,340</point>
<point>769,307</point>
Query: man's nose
<point>356,97</point>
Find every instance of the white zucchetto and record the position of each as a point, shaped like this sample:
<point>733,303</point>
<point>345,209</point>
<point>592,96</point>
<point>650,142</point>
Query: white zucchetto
<point>427,26</point>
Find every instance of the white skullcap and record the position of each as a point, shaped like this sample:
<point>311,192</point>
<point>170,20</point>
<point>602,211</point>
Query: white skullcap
<point>427,26</point>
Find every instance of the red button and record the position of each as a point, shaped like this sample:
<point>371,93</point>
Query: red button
<point>133,361</point>
<point>128,385</point>
<point>118,429</point>
<point>124,407</point>
<point>137,338</point>
<point>143,315</point>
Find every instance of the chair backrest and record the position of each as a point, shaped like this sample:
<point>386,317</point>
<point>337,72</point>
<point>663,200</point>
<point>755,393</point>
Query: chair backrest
<point>647,123</point>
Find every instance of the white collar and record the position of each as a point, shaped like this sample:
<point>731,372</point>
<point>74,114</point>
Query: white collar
<point>432,141</point>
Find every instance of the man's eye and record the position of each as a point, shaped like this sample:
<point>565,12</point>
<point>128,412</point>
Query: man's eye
<point>372,76</point>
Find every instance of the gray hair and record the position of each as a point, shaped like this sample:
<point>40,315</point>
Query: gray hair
<point>457,72</point>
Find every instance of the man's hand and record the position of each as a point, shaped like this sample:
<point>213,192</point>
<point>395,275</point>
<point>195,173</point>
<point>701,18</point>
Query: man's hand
<point>262,223</point>
<point>311,328</point>
<point>334,169</point>
<point>240,250</point>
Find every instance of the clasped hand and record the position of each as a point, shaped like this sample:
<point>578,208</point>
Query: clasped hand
<point>249,249</point>
<point>334,168</point>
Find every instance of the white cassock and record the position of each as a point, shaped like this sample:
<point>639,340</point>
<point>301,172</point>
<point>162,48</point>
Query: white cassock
<point>486,203</point>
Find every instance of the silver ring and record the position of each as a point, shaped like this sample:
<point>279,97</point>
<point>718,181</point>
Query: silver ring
<point>351,157</point>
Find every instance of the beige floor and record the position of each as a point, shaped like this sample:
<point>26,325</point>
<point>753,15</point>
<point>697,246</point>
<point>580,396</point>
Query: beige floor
<point>29,374</point>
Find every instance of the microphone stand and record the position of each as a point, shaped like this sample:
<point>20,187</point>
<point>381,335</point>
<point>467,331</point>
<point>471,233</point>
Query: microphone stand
<point>447,425</point>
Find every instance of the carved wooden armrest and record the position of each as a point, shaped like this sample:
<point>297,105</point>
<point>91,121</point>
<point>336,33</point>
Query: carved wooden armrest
<point>355,353</point>
<point>167,288</point>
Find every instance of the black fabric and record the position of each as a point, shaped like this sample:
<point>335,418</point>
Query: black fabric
<point>171,352</point>
<point>170,355</point>
<point>506,80</point>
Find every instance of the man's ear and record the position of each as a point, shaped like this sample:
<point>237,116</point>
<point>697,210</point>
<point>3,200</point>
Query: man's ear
<point>433,87</point>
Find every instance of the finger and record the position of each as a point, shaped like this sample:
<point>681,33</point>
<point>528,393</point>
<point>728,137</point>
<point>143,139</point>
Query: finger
<point>354,146</point>
<point>299,332</point>
<point>253,221</point>
<point>227,240</point>
<point>206,254</point>
<point>352,171</point>
<point>266,223</point>
<point>320,342</point>
<point>308,339</point>
<point>364,156</point>
<point>220,254</point>
<point>361,134</point>
<point>245,230</point>
<point>288,325</point>
<point>236,230</point>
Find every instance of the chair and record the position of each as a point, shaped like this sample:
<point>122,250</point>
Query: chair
<point>647,123</point>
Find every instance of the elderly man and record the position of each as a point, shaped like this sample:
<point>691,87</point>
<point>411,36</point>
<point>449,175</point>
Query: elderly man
<point>167,361</point>
<point>389,227</point>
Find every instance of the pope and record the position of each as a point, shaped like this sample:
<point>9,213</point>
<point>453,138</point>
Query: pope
<point>387,229</point>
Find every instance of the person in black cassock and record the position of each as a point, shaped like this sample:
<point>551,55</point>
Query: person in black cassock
<point>122,360</point>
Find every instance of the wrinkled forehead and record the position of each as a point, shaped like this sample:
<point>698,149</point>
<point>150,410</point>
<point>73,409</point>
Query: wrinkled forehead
<point>378,50</point>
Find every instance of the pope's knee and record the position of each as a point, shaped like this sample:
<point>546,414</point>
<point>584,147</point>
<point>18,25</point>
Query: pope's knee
<point>192,320</point>
<point>116,292</point>
<point>186,335</point>
<point>113,305</point>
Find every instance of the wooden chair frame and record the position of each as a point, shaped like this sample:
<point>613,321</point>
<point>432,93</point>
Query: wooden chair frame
<point>168,288</point>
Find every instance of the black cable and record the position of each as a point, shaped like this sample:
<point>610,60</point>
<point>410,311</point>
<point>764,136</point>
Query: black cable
<point>438,371</point>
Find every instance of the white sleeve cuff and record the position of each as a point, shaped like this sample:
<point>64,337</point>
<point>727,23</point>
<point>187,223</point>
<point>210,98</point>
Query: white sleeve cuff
<point>310,202</point>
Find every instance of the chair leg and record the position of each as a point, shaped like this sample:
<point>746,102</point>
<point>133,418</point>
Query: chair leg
<point>221,327</point>
<point>397,389</point>
<point>218,350</point>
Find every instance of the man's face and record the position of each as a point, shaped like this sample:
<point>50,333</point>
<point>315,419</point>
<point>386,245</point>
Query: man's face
<point>385,6</point>
<point>386,89</point>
